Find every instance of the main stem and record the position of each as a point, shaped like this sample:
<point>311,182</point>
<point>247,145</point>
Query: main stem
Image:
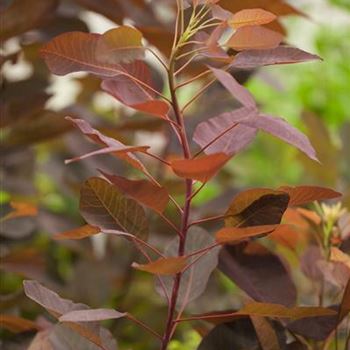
<point>170,323</point>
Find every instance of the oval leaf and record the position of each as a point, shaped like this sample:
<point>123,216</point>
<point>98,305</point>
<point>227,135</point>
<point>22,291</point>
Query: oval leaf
<point>201,169</point>
<point>135,96</point>
<point>300,195</point>
<point>224,133</point>
<point>258,272</point>
<point>233,235</point>
<point>143,191</point>
<point>102,205</point>
<point>120,45</point>
<point>254,38</point>
<point>251,17</point>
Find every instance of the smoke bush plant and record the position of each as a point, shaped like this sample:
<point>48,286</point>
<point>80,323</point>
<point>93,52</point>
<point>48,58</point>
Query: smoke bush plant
<point>220,37</point>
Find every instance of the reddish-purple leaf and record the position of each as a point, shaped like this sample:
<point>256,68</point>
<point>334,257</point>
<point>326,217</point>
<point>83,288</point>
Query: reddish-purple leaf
<point>143,191</point>
<point>280,55</point>
<point>280,128</point>
<point>133,95</point>
<point>194,280</point>
<point>111,145</point>
<point>258,272</point>
<point>91,315</point>
<point>77,51</point>
<point>237,90</point>
<point>50,300</point>
<point>224,133</point>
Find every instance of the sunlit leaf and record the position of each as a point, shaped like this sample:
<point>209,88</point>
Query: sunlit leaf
<point>77,51</point>
<point>201,169</point>
<point>300,195</point>
<point>143,191</point>
<point>78,233</point>
<point>254,38</point>
<point>251,17</point>
<point>233,235</point>
<point>163,266</point>
<point>120,45</point>
<point>102,205</point>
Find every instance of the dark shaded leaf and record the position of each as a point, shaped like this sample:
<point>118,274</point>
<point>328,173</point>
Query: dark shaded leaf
<point>33,13</point>
<point>259,273</point>
<point>257,207</point>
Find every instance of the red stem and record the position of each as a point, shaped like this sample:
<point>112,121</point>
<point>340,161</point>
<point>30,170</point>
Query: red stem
<point>170,323</point>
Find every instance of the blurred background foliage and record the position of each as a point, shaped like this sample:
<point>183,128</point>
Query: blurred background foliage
<point>312,96</point>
